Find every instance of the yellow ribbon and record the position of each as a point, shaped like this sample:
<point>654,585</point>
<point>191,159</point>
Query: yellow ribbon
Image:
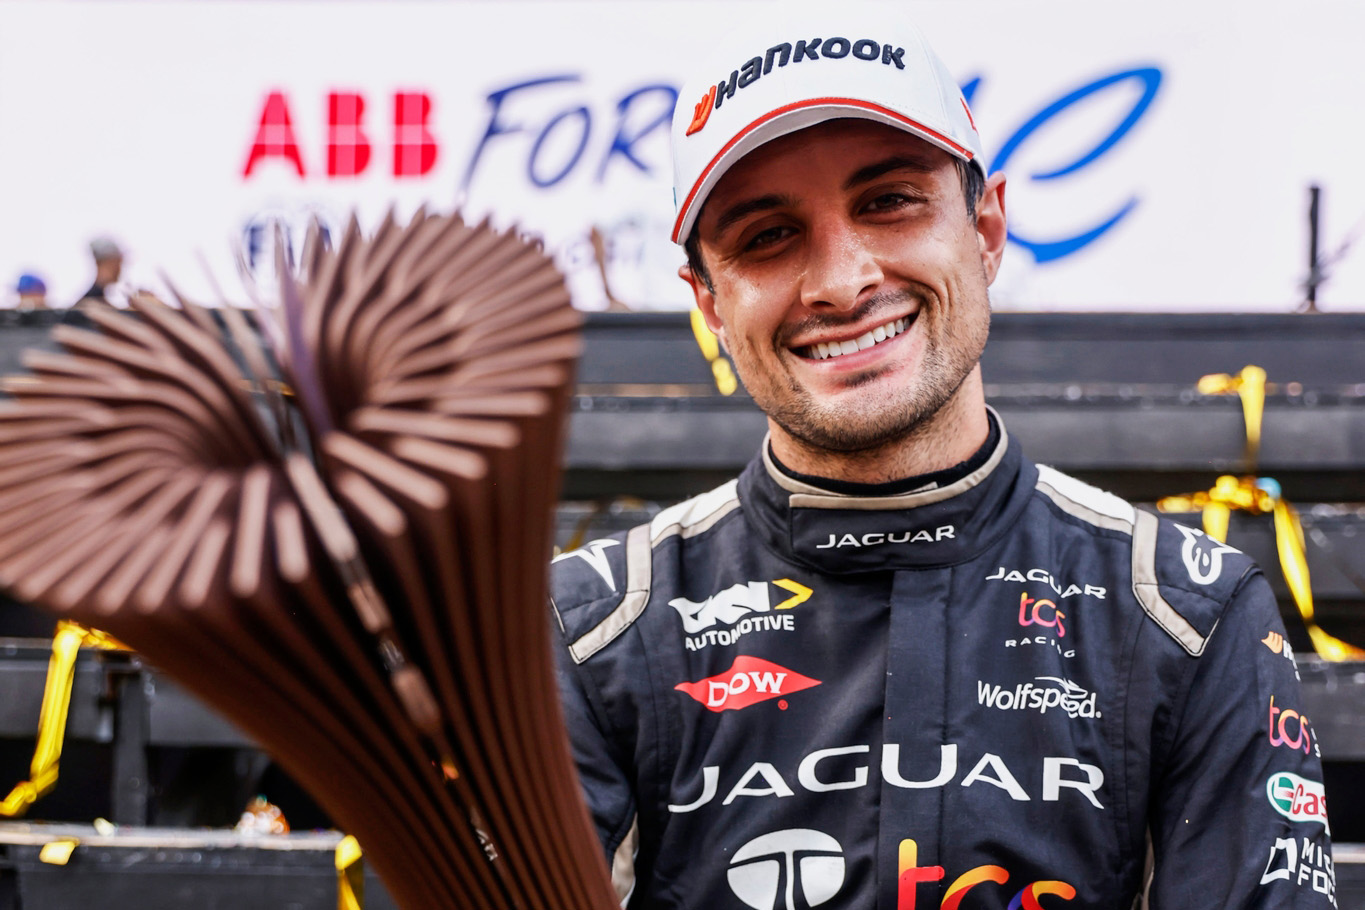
<point>47,753</point>
<point>1249,385</point>
<point>350,866</point>
<point>1260,497</point>
<point>1289,543</point>
<point>724,374</point>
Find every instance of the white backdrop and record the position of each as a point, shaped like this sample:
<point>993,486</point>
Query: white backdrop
<point>138,119</point>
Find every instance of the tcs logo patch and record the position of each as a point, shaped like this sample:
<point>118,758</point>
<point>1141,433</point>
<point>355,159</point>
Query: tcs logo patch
<point>1041,612</point>
<point>911,874</point>
<point>1289,728</point>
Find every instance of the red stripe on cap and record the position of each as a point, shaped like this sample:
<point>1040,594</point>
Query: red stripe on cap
<point>966,153</point>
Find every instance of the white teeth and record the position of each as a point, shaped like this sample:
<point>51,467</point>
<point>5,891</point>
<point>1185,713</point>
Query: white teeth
<point>823,350</point>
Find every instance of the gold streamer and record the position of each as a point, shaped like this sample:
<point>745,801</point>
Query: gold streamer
<point>724,374</point>
<point>47,753</point>
<point>1249,385</point>
<point>1260,497</point>
<point>350,865</point>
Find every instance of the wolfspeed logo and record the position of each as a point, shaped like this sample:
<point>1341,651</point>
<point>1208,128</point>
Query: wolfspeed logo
<point>851,768</point>
<point>749,681</point>
<point>1298,799</point>
<point>1061,693</point>
<point>745,608</point>
<point>791,869</point>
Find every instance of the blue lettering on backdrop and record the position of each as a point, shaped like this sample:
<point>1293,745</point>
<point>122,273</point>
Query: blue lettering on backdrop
<point>628,135</point>
<point>624,143</point>
<point>1049,250</point>
<point>496,126</point>
<point>632,129</point>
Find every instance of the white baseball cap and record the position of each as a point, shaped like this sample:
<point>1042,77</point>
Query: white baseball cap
<point>797,72</point>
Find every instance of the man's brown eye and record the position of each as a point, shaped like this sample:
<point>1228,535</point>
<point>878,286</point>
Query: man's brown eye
<point>888,201</point>
<point>766,237</point>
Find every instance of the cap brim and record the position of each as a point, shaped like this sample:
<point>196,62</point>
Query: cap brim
<point>789,119</point>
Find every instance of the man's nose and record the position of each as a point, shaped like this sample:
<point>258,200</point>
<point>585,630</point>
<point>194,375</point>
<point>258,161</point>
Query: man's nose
<point>840,268</point>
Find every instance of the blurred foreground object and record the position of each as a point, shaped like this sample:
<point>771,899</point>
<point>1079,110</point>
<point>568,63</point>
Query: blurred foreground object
<point>338,539</point>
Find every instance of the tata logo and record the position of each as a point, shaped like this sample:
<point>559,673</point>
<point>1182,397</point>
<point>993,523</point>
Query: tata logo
<point>1071,698</point>
<point>744,608</point>
<point>911,874</point>
<point>793,869</point>
<point>749,681</point>
<point>1289,728</point>
<point>1202,555</point>
<point>878,538</point>
<point>851,768</point>
<point>1298,799</point>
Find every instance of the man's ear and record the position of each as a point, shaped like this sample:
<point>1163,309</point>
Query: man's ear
<point>706,302</point>
<point>991,231</point>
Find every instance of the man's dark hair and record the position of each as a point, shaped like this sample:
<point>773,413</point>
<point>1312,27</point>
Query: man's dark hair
<point>973,187</point>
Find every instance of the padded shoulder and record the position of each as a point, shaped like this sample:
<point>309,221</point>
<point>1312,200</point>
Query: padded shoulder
<point>1182,578</point>
<point>599,590</point>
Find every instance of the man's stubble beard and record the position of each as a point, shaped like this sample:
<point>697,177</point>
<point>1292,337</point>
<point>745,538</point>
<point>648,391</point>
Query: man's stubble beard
<point>878,425</point>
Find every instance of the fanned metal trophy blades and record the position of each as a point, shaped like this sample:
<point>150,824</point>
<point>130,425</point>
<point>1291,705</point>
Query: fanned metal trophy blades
<point>334,526</point>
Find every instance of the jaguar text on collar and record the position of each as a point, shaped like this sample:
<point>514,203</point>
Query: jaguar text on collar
<point>877,538</point>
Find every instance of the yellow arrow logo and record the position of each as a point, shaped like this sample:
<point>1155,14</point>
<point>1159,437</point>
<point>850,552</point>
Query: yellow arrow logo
<point>800,593</point>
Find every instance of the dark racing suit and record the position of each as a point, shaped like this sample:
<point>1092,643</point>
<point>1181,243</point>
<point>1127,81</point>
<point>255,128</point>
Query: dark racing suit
<point>1014,691</point>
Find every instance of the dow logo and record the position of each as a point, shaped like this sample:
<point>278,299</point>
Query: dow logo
<point>790,869</point>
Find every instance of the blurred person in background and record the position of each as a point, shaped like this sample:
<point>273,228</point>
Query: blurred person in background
<point>108,267</point>
<point>32,292</point>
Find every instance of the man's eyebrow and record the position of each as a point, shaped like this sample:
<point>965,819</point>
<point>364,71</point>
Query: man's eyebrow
<point>877,169</point>
<point>748,207</point>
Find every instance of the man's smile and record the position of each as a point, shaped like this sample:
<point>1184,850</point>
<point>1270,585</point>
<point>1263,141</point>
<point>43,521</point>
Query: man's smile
<point>852,344</point>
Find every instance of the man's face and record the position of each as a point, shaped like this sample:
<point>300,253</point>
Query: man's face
<point>849,236</point>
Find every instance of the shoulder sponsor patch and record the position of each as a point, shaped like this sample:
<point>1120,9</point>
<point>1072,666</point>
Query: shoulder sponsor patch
<point>593,553</point>
<point>1202,555</point>
<point>1297,798</point>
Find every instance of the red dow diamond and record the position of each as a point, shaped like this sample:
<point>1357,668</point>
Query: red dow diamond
<point>749,681</point>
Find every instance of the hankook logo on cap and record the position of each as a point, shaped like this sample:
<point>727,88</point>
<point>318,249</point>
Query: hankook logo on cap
<point>789,869</point>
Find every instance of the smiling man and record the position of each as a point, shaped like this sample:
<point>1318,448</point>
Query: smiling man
<point>895,663</point>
